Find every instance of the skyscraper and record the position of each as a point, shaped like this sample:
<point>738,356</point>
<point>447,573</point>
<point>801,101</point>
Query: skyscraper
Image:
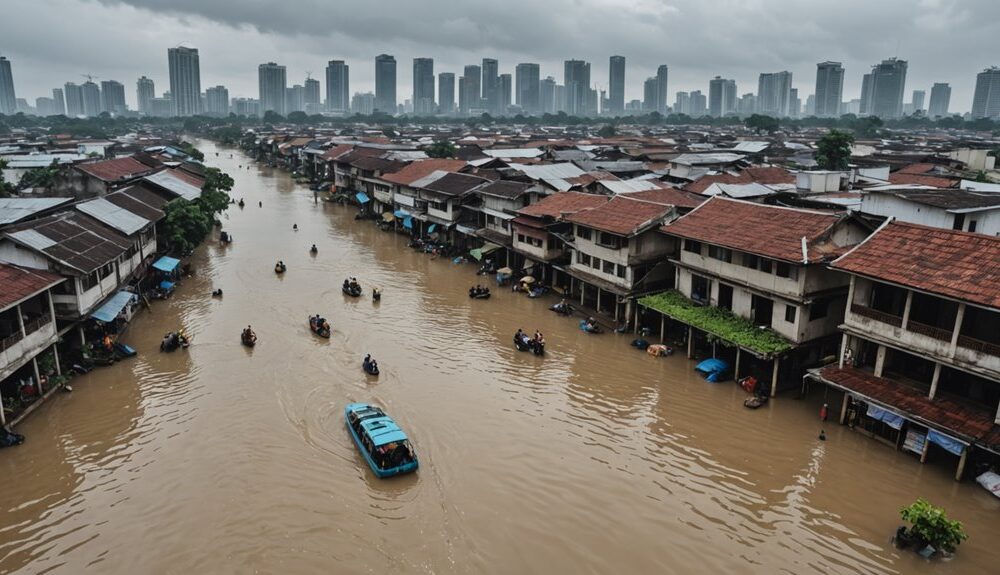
<point>8,100</point>
<point>112,97</point>
<point>217,101</point>
<point>547,95</point>
<point>616,85</point>
<point>363,104</point>
<point>310,96</point>
<point>576,79</point>
<point>385,84</point>
<point>682,104</point>
<point>774,94</point>
<point>918,100</point>
<point>722,97</point>
<point>91,99</point>
<point>423,86</point>
<point>699,104</point>
<point>662,94</point>
<point>74,100</point>
<point>650,95</point>
<point>145,91</point>
<point>528,90</point>
<point>504,93</point>
<point>887,85</point>
<point>446,93</point>
<point>472,99</point>
<point>271,84</point>
<point>58,102</point>
<point>867,82</point>
<point>829,89</point>
<point>491,86</point>
<point>185,80</point>
<point>338,87</point>
<point>794,103</point>
<point>986,100</point>
<point>940,98</point>
<point>295,99</point>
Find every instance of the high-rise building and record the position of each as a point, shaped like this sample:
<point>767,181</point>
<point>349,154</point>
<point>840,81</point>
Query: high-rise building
<point>722,97</point>
<point>385,84</point>
<point>91,99</point>
<point>8,100</point>
<point>112,97</point>
<point>446,93</point>
<point>867,83</point>
<point>217,101</point>
<point>616,85</point>
<point>682,103</point>
<point>245,107</point>
<point>829,89</point>
<point>74,99</point>
<point>746,105</point>
<point>310,96</point>
<point>271,86</point>
<point>491,86</point>
<point>528,90</point>
<point>504,92</point>
<point>423,86</point>
<point>662,88</point>
<point>58,102</point>
<point>918,100</point>
<point>145,91</point>
<point>650,93</point>
<point>774,94</point>
<point>363,104</point>
<point>888,83</point>
<point>295,99</point>
<point>810,106</point>
<point>576,79</point>
<point>986,100</point>
<point>338,86</point>
<point>547,95</point>
<point>794,103</point>
<point>162,107</point>
<point>185,80</point>
<point>470,98</point>
<point>940,98</point>
<point>44,106</point>
<point>699,104</point>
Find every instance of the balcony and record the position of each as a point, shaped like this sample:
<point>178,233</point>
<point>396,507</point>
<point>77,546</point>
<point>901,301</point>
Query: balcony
<point>18,348</point>
<point>880,316</point>
<point>976,345</point>
<point>929,331</point>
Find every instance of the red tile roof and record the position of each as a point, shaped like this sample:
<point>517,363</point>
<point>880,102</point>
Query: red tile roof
<point>670,196</point>
<point>770,231</point>
<point>960,265</point>
<point>916,169</point>
<point>591,177</point>
<point>336,151</point>
<point>934,181</point>
<point>561,203</point>
<point>770,175</point>
<point>621,215</point>
<point>421,169</point>
<point>19,283</point>
<point>117,169</point>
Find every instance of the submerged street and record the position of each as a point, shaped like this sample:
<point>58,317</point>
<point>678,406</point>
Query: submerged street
<point>596,458</point>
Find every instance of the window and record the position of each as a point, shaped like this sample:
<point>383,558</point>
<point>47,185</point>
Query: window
<point>596,263</point>
<point>107,270</point>
<point>609,267</point>
<point>751,261</point>
<point>520,238</point>
<point>504,225</point>
<point>536,242</point>
<point>726,297</point>
<point>785,270</point>
<point>765,265</point>
<point>88,281</point>
<point>790,313</point>
<point>972,225</point>
<point>699,288</point>
<point>583,259</point>
<point>609,240</point>
<point>692,246</point>
<point>818,309</point>
<point>721,254</point>
<point>621,271</point>
<point>959,222</point>
<point>583,233</point>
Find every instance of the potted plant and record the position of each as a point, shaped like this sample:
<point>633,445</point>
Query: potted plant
<point>930,530</point>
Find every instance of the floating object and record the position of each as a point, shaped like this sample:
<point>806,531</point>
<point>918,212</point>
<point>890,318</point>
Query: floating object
<point>714,369</point>
<point>383,444</point>
<point>319,326</point>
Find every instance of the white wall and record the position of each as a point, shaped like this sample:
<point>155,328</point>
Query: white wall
<point>887,205</point>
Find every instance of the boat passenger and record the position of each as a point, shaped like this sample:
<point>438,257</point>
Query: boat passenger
<point>295,227</point>
<point>313,249</point>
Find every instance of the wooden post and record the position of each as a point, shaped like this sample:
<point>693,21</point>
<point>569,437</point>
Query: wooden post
<point>663,329</point>
<point>843,408</point>
<point>736,368</point>
<point>774,378</point>
<point>690,342</point>
<point>927,446</point>
<point>961,463</point>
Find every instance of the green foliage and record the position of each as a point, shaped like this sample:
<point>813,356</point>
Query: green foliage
<point>982,176</point>
<point>867,127</point>
<point>189,149</point>
<point>185,226</point>
<point>39,177</point>
<point>833,151</point>
<point>441,149</point>
<point>297,117</point>
<point>933,526</point>
<point>6,189</point>
<point>717,322</point>
<point>760,123</point>
<point>607,131</point>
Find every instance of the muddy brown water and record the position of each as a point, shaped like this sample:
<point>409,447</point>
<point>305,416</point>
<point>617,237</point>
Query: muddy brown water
<point>594,459</point>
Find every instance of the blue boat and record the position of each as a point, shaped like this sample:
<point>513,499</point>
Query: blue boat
<point>715,370</point>
<point>384,446</point>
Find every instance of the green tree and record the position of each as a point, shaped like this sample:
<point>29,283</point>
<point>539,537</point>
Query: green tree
<point>185,226</point>
<point>761,123</point>
<point>189,149</point>
<point>6,189</point>
<point>607,131</point>
<point>930,524</point>
<point>214,194</point>
<point>441,149</point>
<point>983,177</point>
<point>833,151</point>
<point>298,117</point>
<point>867,127</point>
<point>39,177</point>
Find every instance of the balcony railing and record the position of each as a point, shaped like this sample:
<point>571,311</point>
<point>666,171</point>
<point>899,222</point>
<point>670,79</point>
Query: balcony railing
<point>876,315</point>
<point>978,345</point>
<point>10,341</point>
<point>929,330</point>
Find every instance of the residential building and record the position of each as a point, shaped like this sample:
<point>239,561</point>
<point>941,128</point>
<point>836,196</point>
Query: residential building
<point>245,107</point>
<point>547,95</point>
<point>338,84</point>
<point>887,87</point>
<point>295,99</point>
<point>185,80</point>
<point>867,84</point>
<point>774,94</point>
<point>145,91</point>
<point>920,360</point>
<point>650,93</point>
<point>829,89</point>
<point>113,97</point>
<point>363,104</point>
<point>940,99</point>
<point>97,179</point>
<point>699,104</point>
<point>528,87</point>
<point>810,106</point>
<point>8,99</point>
<point>396,192</point>
<point>682,103</point>
<point>162,107</point>
<point>747,104</point>
<point>423,86</point>
<point>217,101</point>
<point>469,97</point>
<point>949,209</point>
<point>662,88</point>
<point>721,97</point>
<point>616,85</point>
<point>986,100</point>
<point>918,101</point>
<point>91,95</point>
<point>794,103</point>
<point>576,79</point>
<point>497,207</point>
<point>74,99</point>
<point>58,102</point>
<point>490,97</point>
<point>385,84</point>
<point>44,106</point>
<point>271,88</point>
<point>446,93</point>
<point>310,96</point>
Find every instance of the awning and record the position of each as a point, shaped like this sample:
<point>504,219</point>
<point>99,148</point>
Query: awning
<point>111,308</point>
<point>408,223</point>
<point>476,253</point>
<point>950,444</point>
<point>362,197</point>
<point>401,214</point>
<point>431,228</point>
<point>167,264</point>
<point>488,247</point>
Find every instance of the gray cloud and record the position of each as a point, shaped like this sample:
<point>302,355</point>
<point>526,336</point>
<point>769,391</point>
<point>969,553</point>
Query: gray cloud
<point>51,42</point>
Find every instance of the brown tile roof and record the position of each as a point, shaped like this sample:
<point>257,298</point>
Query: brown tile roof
<point>591,177</point>
<point>561,203</point>
<point>336,151</point>
<point>670,196</point>
<point>452,184</point>
<point>73,239</point>
<point>117,169</point>
<point>934,181</point>
<point>377,164</point>
<point>916,169</point>
<point>19,283</point>
<point>966,421</point>
<point>188,177</point>
<point>621,215</point>
<point>960,265</point>
<point>505,189</point>
<point>770,231</point>
<point>421,169</point>
<point>770,175</point>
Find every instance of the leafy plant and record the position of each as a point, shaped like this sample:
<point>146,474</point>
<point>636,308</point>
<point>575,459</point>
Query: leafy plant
<point>441,149</point>
<point>185,226</point>
<point>834,150</point>
<point>930,524</point>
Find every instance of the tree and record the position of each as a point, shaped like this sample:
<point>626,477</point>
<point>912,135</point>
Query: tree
<point>298,117</point>
<point>441,149</point>
<point>39,177</point>
<point>607,131</point>
<point>185,226</point>
<point>5,189</point>
<point>272,117</point>
<point>834,150</point>
<point>189,149</point>
<point>930,525</point>
<point>867,127</point>
<point>214,194</point>
<point>983,177</point>
<point>759,123</point>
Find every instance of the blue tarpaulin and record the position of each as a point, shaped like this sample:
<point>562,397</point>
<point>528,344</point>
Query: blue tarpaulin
<point>362,197</point>
<point>431,228</point>
<point>408,223</point>
<point>111,308</point>
<point>950,444</point>
<point>165,285</point>
<point>889,418</point>
<point>167,264</point>
<point>401,214</point>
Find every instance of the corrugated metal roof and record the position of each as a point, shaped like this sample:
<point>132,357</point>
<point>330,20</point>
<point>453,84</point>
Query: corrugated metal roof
<point>33,239</point>
<point>117,217</point>
<point>514,153</point>
<point>72,239</point>
<point>750,190</point>
<point>707,158</point>
<point>16,209</point>
<point>174,184</point>
<point>40,160</point>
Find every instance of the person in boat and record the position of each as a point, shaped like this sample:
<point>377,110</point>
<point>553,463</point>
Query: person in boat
<point>313,249</point>
<point>347,283</point>
<point>249,335</point>
<point>260,204</point>
<point>591,323</point>
<point>217,292</point>
<point>295,227</point>
<point>376,293</point>
<point>539,338</point>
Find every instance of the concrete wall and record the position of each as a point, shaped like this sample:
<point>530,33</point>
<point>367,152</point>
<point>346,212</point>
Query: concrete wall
<point>30,346</point>
<point>13,254</point>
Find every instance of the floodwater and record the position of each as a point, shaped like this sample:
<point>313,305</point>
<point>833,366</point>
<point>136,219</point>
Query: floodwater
<point>594,459</point>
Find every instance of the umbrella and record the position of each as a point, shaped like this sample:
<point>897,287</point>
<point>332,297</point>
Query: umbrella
<point>505,271</point>
<point>527,280</point>
<point>387,217</point>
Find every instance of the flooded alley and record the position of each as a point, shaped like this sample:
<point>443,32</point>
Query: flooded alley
<point>596,458</point>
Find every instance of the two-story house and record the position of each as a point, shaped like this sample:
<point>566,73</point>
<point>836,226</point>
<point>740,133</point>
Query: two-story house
<point>96,179</point>
<point>443,194</point>
<point>394,192</point>
<point>953,209</point>
<point>765,268</point>
<point>920,361</point>
<point>498,204</point>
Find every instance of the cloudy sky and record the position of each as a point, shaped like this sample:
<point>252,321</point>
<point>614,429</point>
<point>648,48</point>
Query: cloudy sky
<point>51,42</point>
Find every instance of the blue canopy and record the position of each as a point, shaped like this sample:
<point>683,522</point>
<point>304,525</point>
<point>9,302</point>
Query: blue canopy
<point>165,285</point>
<point>950,444</point>
<point>431,228</point>
<point>401,214</point>
<point>362,197</point>
<point>167,264</point>
<point>884,415</point>
<point>408,223</point>
<point>111,308</point>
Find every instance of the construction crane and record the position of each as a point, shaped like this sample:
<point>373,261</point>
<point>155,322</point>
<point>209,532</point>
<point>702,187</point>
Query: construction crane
<point>89,77</point>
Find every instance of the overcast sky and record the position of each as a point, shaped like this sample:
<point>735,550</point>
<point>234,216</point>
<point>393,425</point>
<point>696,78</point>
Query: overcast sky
<point>51,42</point>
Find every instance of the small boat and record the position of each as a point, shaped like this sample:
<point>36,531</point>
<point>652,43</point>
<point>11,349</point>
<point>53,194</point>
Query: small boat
<point>384,446</point>
<point>715,370</point>
<point>280,267</point>
<point>217,292</point>
<point>319,326</point>
<point>173,340</point>
<point>376,294</point>
<point>248,340</point>
<point>369,365</point>
<point>529,344</point>
<point>353,290</point>
<point>122,350</point>
<point>562,308</point>
<point>9,438</point>
<point>225,237</point>
<point>590,326</point>
<point>481,293</point>
<point>755,401</point>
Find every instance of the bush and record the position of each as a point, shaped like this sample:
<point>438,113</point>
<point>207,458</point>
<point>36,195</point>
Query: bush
<point>929,524</point>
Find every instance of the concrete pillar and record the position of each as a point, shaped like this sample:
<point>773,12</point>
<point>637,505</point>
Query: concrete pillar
<point>663,327</point>
<point>52,306</point>
<point>635,326</point>
<point>906,308</point>
<point>843,350</point>
<point>690,342</point>
<point>958,328</point>
<point>934,381</point>
<point>961,463</point>
<point>583,292</point>
<point>879,361</point>
<point>38,376</point>
<point>736,368</point>
<point>598,306</point>
<point>843,408</point>
<point>850,294</point>
<point>774,377</point>
<point>83,338</point>
<point>55,356</point>
<point>927,446</point>
<point>20,320</point>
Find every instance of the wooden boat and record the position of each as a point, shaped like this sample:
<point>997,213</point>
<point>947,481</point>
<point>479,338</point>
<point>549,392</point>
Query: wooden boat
<point>316,325</point>
<point>383,445</point>
<point>353,290</point>
<point>279,268</point>
<point>370,366</point>
<point>248,340</point>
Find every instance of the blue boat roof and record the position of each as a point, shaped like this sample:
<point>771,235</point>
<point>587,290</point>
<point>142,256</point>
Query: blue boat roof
<point>166,264</point>
<point>381,429</point>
